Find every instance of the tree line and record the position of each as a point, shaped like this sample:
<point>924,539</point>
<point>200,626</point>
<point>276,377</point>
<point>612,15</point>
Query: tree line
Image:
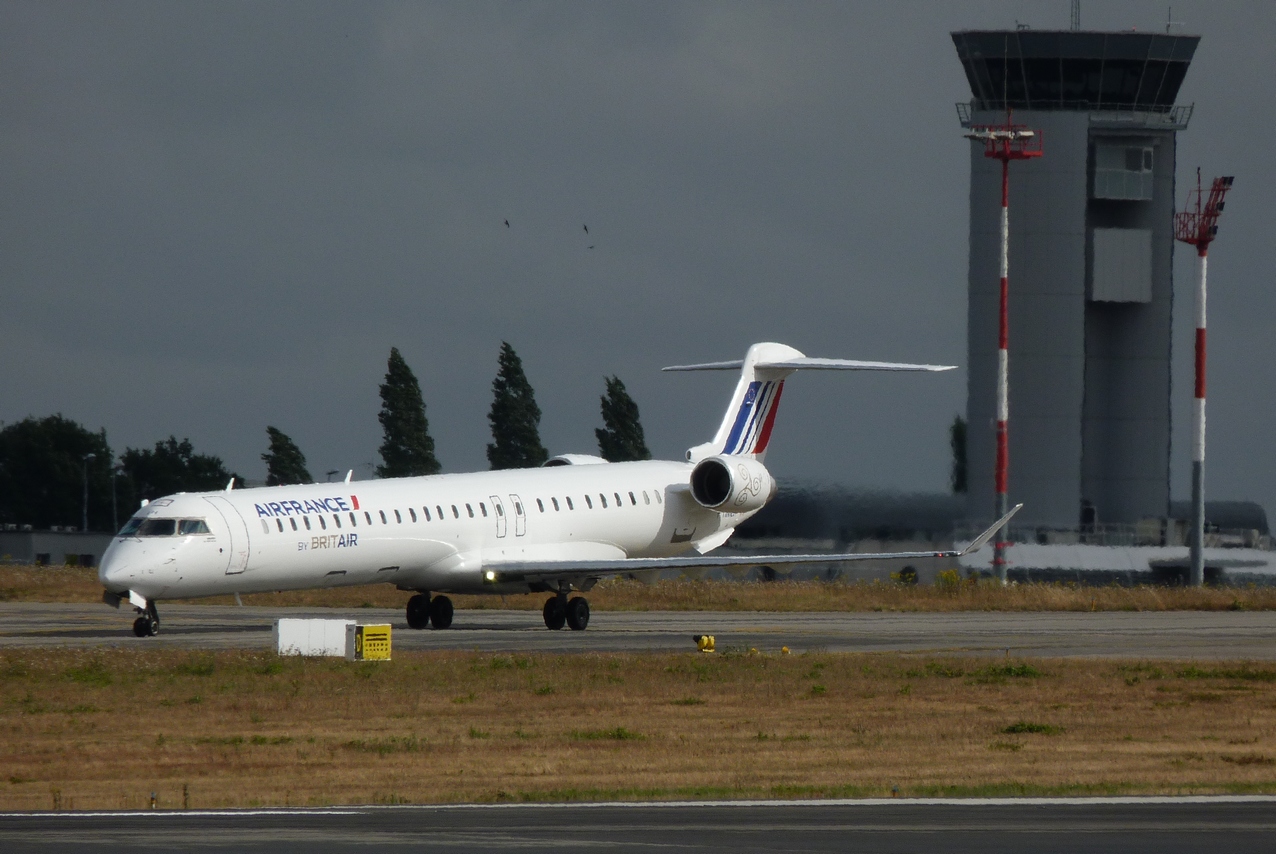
<point>48,464</point>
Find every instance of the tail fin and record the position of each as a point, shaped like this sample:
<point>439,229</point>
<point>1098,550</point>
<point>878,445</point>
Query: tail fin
<point>746,426</point>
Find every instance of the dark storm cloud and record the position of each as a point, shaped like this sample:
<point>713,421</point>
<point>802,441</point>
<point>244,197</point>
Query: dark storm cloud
<point>218,216</point>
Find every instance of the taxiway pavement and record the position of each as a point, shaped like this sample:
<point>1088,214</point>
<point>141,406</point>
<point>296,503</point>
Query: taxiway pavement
<point>1130,826</point>
<point>1159,634</point>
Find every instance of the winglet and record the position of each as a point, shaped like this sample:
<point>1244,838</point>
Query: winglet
<point>349,474</point>
<point>982,540</point>
<point>230,484</point>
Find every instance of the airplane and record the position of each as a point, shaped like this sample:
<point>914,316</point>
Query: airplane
<point>558,529</point>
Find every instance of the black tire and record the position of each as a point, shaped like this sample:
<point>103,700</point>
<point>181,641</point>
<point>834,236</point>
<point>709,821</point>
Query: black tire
<point>419,611</point>
<point>578,614</point>
<point>554,613</point>
<point>440,612</point>
<point>142,627</point>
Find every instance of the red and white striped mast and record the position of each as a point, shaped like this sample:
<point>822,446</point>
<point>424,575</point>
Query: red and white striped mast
<point>1197,225</point>
<point>1005,143</point>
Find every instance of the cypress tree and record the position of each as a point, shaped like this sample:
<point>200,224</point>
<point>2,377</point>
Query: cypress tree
<point>408,449</point>
<point>620,438</point>
<point>514,416</point>
<point>285,463</point>
<point>957,441</point>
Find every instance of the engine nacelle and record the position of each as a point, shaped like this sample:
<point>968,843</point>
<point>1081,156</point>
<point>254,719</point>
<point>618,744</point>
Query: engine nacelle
<point>731,484</point>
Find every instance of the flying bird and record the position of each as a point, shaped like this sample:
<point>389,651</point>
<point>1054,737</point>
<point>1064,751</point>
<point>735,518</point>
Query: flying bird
<point>507,223</point>
<point>586,228</point>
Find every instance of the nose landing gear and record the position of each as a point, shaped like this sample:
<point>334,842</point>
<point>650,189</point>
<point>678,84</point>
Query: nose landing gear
<point>147,625</point>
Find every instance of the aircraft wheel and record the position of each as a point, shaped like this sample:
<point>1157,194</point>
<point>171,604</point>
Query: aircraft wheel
<point>145,627</point>
<point>419,611</point>
<point>555,614</point>
<point>440,612</point>
<point>578,614</point>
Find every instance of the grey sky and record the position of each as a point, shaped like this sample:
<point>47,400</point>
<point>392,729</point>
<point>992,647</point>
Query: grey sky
<point>220,216</point>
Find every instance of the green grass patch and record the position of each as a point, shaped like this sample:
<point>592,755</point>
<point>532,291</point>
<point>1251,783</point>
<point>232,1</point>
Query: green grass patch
<point>1030,728</point>
<point>616,734</point>
<point>386,746</point>
<point>1241,674</point>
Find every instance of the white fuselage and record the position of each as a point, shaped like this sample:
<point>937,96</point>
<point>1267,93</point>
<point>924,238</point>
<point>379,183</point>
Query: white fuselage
<point>420,533</point>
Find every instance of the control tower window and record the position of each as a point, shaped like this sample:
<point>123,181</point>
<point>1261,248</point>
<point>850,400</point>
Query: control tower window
<point>1122,171</point>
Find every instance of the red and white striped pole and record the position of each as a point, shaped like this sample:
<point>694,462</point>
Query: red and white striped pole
<point>1198,228</point>
<point>1197,570</point>
<point>1001,476</point>
<point>1005,143</point>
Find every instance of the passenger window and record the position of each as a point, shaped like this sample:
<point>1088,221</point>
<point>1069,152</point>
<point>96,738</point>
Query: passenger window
<point>280,523</point>
<point>306,519</point>
<point>500,511</point>
<point>354,521</point>
<point>645,499</point>
<point>397,517</point>
<point>384,521</point>
<point>322,523</point>
<point>265,526</point>
<point>518,508</point>
<point>603,499</point>
<point>570,506</point>
<point>483,509</point>
<point>426,511</point>
<point>618,501</point>
<point>440,509</point>
<point>659,500</point>
<point>632,500</point>
<point>589,503</point>
<point>294,523</point>
<point>412,513</point>
<point>456,514</point>
<point>540,505</point>
<point>554,501</point>
<point>337,519</point>
<point>470,510</point>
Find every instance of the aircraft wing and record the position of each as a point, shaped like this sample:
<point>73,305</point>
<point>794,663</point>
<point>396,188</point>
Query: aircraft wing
<point>548,570</point>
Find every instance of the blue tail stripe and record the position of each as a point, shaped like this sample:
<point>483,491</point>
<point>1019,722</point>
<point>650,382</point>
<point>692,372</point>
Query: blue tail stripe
<point>755,422</point>
<point>742,417</point>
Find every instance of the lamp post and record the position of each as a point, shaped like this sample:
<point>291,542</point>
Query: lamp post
<point>84,518</point>
<point>1005,143</point>
<point>1198,226</point>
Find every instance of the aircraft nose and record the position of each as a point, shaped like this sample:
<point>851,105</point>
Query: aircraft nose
<point>112,571</point>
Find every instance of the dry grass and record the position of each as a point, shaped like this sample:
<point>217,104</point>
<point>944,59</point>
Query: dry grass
<point>71,584</point>
<point>104,729</point>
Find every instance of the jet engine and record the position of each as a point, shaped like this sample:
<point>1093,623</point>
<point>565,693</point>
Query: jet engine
<point>731,484</point>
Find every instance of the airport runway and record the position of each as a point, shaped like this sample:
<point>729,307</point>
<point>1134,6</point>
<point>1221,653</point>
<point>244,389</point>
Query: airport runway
<point>1160,634</point>
<point>1164,826</point>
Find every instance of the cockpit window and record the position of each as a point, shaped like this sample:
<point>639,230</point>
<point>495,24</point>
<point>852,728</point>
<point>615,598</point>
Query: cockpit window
<point>157,528</point>
<point>194,526</point>
<point>130,527</point>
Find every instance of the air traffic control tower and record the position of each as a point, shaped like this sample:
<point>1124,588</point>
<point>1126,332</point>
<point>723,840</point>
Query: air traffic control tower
<point>1091,284</point>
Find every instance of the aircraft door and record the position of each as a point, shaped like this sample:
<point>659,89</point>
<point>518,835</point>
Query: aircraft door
<point>237,532</point>
<point>499,510</point>
<point>520,516</point>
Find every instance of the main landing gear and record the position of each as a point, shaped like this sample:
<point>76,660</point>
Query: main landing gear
<point>425,611</point>
<point>560,611</point>
<point>148,624</point>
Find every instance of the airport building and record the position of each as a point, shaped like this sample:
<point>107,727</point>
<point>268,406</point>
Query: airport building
<point>1090,271</point>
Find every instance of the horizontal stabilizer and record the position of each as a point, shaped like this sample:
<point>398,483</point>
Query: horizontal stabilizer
<point>807,363</point>
<point>572,570</point>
